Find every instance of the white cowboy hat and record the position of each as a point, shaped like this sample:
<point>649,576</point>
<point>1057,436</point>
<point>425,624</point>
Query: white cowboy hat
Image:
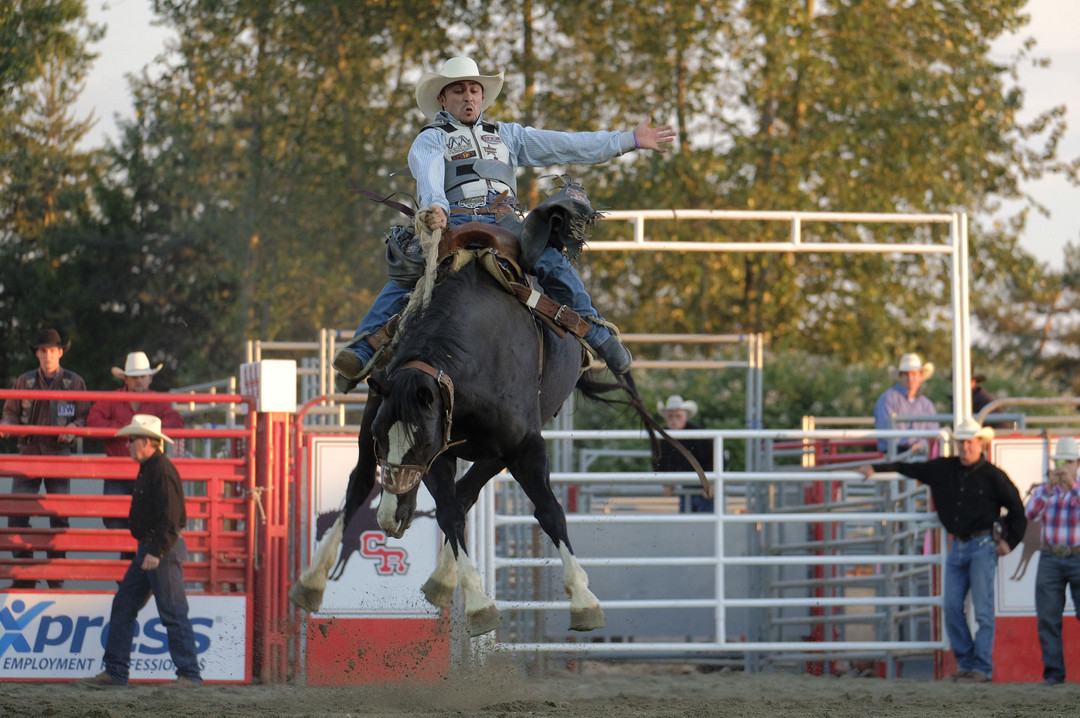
<point>912,362</point>
<point>144,425</point>
<point>676,403</point>
<point>1066,449</point>
<point>971,429</point>
<point>136,365</point>
<point>456,69</point>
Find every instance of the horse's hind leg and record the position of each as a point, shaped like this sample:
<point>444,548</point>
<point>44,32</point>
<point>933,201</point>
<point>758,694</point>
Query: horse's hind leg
<point>530,469</point>
<point>585,611</point>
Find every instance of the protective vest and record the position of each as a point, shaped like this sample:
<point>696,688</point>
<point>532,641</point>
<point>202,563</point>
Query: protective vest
<point>60,412</point>
<point>477,161</point>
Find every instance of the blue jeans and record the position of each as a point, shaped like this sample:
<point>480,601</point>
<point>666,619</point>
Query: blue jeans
<point>970,567</point>
<point>1055,573</point>
<point>166,582</point>
<point>557,277</point>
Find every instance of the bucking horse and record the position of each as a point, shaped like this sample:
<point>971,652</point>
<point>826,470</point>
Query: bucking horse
<point>475,375</point>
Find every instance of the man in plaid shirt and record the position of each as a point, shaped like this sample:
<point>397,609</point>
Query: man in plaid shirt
<point>1057,504</point>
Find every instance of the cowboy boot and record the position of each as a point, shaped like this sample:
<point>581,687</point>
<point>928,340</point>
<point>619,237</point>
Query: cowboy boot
<point>357,359</point>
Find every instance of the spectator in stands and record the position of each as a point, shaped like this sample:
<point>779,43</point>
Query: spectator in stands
<point>969,493</point>
<point>157,518</point>
<point>980,397</point>
<point>677,414</point>
<point>49,376</point>
<point>1057,505</point>
<point>905,398</point>
<point>137,376</point>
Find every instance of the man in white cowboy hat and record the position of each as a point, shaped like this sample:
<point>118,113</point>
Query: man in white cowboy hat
<point>49,376</point>
<point>464,167</point>
<point>157,518</point>
<point>1056,504</point>
<point>905,398</point>
<point>969,494</point>
<point>677,413</point>
<point>137,376</point>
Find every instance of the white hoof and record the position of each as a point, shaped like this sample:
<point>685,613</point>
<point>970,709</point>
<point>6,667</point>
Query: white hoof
<point>309,599</point>
<point>587,619</point>
<point>438,594</point>
<point>483,621</point>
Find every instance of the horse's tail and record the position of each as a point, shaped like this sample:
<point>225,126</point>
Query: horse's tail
<point>601,391</point>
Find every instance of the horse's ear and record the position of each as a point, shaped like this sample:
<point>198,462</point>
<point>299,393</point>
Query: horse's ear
<point>377,384</point>
<point>424,396</point>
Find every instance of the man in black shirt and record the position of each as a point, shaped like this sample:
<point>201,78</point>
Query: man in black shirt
<point>677,414</point>
<point>156,519</point>
<point>969,494</point>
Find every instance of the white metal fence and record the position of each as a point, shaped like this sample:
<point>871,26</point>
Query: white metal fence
<point>875,568</point>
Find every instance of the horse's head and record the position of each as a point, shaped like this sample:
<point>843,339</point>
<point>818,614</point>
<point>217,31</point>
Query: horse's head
<point>412,426</point>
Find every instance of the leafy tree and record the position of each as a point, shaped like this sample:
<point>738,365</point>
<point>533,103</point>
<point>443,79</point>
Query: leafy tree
<point>266,122</point>
<point>44,177</point>
<point>846,106</point>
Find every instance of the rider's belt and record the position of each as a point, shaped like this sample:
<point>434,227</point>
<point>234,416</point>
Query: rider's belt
<point>501,206</point>
<point>970,537</point>
<point>382,336</point>
<point>542,304</point>
<point>1062,551</point>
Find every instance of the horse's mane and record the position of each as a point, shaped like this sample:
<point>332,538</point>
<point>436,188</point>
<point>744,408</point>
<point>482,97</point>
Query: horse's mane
<point>436,330</point>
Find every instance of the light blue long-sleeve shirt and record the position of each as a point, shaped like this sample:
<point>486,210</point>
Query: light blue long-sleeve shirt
<point>529,147</point>
<point>895,402</point>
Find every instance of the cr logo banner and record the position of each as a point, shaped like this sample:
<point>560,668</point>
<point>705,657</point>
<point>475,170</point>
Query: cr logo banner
<point>388,560</point>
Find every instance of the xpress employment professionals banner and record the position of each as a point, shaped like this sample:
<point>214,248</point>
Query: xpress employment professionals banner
<point>62,636</point>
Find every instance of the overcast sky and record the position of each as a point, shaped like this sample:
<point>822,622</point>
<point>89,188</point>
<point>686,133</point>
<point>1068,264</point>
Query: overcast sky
<point>131,42</point>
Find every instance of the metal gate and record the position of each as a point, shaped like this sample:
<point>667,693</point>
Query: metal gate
<point>792,567</point>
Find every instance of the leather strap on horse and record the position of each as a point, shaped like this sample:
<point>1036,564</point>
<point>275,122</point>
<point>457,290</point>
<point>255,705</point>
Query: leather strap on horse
<point>446,387</point>
<point>402,478</point>
<point>562,315</point>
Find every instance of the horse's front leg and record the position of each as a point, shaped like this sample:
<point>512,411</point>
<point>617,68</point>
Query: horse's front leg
<point>454,567</point>
<point>307,592</point>
<point>530,468</point>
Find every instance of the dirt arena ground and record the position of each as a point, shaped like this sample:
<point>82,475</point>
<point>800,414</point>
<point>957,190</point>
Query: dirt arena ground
<point>593,693</point>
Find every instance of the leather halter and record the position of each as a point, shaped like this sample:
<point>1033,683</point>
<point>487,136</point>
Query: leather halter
<point>402,478</point>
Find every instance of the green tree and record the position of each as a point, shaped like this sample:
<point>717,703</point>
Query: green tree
<point>45,178</point>
<point>266,122</point>
<point>846,106</point>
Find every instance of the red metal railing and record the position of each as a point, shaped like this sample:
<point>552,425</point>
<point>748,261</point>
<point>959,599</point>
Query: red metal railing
<point>221,487</point>
<point>242,499</point>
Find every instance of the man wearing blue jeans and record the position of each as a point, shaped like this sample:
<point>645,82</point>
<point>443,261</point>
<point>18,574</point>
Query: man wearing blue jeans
<point>1056,504</point>
<point>465,172</point>
<point>969,494</point>
<point>156,519</point>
